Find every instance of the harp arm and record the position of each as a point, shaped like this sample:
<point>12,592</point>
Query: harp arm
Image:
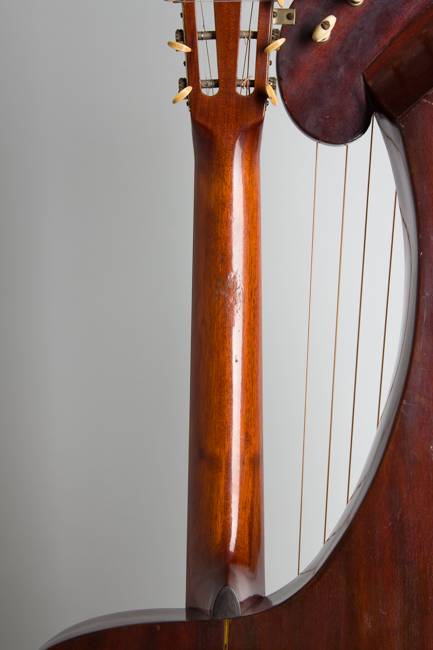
<point>373,584</point>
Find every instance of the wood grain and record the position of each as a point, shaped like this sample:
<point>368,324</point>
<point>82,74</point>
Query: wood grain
<point>321,83</point>
<point>375,588</point>
<point>225,502</point>
<point>372,584</point>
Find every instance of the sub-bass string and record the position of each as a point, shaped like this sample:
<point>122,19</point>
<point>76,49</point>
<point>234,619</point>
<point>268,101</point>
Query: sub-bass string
<point>367,205</point>
<point>335,343</point>
<point>387,308</point>
<point>308,358</point>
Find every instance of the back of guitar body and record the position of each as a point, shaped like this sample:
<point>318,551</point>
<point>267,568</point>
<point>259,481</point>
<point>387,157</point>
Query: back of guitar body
<point>372,583</point>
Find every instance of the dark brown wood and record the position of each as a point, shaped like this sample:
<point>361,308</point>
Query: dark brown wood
<point>372,584</point>
<point>375,588</point>
<point>225,502</point>
<point>139,630</point>
<point>321,84</point>
<point>403,73</point>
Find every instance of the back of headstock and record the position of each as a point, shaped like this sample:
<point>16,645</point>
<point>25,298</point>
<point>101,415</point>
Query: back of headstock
<point>227,111</point>
<point>225,560</point>
<point>343,601</point>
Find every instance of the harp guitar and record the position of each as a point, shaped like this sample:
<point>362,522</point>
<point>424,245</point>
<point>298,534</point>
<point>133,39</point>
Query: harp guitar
<point>372,583</point>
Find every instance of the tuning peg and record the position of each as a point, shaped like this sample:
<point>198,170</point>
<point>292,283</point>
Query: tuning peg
<point>272,95</point>
<point>275,45</point>
<point>179,47</point>
<point>323,31</point>
<point>182,94</point>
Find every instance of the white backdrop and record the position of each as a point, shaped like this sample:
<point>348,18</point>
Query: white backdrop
<point>95,266</point>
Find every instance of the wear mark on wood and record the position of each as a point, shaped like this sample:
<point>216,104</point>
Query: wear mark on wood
<point>228,296</point>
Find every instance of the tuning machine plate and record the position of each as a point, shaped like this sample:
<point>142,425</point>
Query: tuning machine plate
<point>283,16</point>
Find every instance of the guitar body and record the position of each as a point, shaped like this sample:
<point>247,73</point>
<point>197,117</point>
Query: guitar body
<point>371,585</point>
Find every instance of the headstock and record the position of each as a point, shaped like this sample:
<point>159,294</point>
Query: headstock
<point>242,96</point>
<point>225,557</point>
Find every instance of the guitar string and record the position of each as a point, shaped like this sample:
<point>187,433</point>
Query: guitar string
<point>360,310</point>
<point>207,49</point>
<point>335,342</point>
<point>248,90</point>
<point>308,358</point>
<point>387,309</point>
<point>246,64</point>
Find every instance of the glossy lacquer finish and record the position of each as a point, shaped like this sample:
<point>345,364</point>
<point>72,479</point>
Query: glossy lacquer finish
<point>375,588</point>
<point>225,502</point>
<point>321,83</point>
<point>372,585</point>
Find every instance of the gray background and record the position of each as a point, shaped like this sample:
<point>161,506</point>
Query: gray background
<point>95,266</point>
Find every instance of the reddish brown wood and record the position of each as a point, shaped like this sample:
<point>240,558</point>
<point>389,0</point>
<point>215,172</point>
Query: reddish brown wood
<point>322,84</point>
<point>372,584</point>
<point>402,74</point>
<point>141,630</point>
<point>375,588</point>
<point>225,503</point>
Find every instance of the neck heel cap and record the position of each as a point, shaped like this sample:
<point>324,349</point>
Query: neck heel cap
<point>226,604</point>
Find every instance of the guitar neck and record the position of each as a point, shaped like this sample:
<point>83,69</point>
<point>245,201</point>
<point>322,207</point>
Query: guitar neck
<point>225,502</point>
<point>225,528</point>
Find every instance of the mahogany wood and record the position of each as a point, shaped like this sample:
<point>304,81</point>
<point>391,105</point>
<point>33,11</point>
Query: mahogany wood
<point>145,630</point>
<point>375,589</point>
<point>372,584</point>
<point>321,84</point>
<point>225,493</point>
